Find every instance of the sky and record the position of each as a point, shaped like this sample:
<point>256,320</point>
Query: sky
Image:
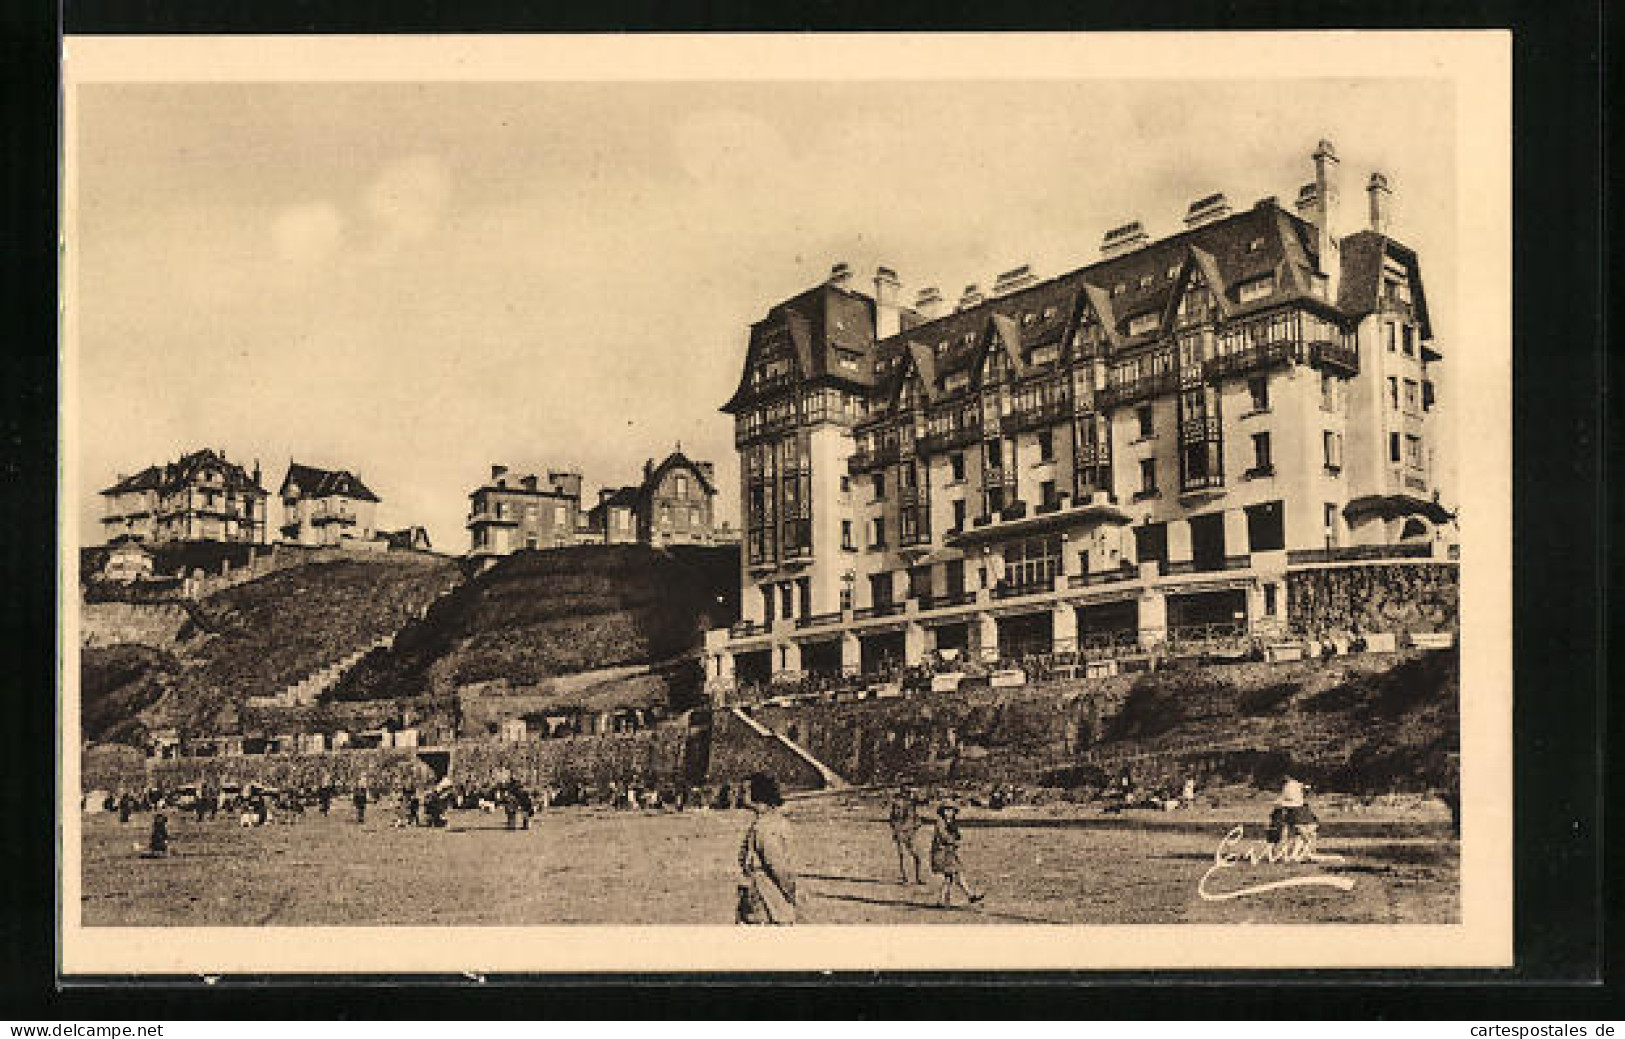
<point>415,281</point>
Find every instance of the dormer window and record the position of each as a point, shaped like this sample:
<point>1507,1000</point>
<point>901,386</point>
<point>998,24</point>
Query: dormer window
<point>1173,272</point>
<point>1118,289</point>
<point>1028,318</point>
<point>1145,281</point>
<point>1049,313</point>
<point>1255,245</point>
<point>1140,324</point>
<point>1256,289</point>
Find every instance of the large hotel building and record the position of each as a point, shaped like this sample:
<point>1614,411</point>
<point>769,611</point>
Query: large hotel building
<point>1095,463</point>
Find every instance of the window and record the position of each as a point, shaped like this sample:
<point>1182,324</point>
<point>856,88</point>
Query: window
<point>1258,388</point>
<point>1151,542</point>
<point>956,466</point>
<point>1140,324</point>
<point>846,484</point>
<point>1269,600</point>
<point>1413,400</point>
<point>919,582</point>
<point>959,514</point>
<point>530,541</point>
<point>1255,245</point>
<point>1393,447</point>
<point>558,515</point>
<point>1266,528</point>
<point>1046,446</point>
<point>1147,424</point>
<point>1409,341</point>
<point>1330,520</point>
<point>681,485</point>
<point>846,534</point>
<point>880,589</point>
<point>1389,331</point>
<point>1413,451</point>
<point>1261,454</point>
<point>954,572</point>
<point>878,482</point>
<point>877,531</point>
<point>787,602</point>
<point>1046,493</point>
<point>1118,289</point>
<point>1032,563</point>
<point>1148,476</point>
<point>1331,397</point>
<point>1331,446</point>
<point>1393,393</point>
<point>1256,289</point>
<point>846,597</point>
<point>995,454</point>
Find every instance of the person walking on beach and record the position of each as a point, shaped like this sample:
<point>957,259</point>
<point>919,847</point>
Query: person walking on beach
<point>945,841</point>
<point>158,842</point>
<point>360,799</point>
<point>767,892</point>
<point>904,817</point>
<point>1292,816</point>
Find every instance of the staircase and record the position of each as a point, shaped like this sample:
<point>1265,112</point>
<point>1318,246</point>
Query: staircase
<point>309,689</point>
<point>832,780</point>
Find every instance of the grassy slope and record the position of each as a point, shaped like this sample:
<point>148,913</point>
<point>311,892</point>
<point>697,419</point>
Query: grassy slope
<point>537,615</point>
<point>262,636</point>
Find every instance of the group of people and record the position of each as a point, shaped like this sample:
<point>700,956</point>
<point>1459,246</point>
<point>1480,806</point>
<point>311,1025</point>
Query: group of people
<point>908,823</point>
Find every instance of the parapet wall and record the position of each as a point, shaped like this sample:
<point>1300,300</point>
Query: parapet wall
<point>118,623</point>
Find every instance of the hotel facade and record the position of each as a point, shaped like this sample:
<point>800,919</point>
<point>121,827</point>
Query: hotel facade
<point>1101,463</point>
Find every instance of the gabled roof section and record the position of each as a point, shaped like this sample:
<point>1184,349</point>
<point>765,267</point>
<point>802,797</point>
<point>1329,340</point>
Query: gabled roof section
<point>675,460</point>
<point>1361,287</point>
<point>1198,262</point>
<point>1006,335</point>
<point>824,325</point>
<point>620,498</point>
<point>147,479</point>
<point>1102,304</point>
<point>312,482</point>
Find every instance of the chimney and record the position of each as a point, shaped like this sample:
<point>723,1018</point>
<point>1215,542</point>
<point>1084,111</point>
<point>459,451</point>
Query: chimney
<point>840,275</point>
<point>1014,280</point>
<point>604,494</point>
<point>971,297</point>
<point>528,482</point>
<point>648,467</point>
<point>930,303</point>
<point>1120,240</point>
<point>888,312</point>
<point>1381,196</point>
<point>498,472</point>
<point>1207,209</point>
<point>1325,208</point>
<point>709,471</point>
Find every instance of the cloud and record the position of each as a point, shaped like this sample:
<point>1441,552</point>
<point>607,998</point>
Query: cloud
<point>408,197</point>
<point>307,233</point>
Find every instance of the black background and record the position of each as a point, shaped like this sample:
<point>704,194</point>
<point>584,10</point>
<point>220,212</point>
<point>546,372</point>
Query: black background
<point>1562,507</point>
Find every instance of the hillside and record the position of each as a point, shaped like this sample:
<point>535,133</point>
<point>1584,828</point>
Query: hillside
<point>254,639</point>
<point>1363,724</point>
<point>535,616</point>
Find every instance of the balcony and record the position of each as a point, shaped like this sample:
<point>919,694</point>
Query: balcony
<point>1017,591</point>
<point>1252,358</point>
<point>943,602</point>
<point>1334,356</point>
<point>818,620</point>
<point>744,629</point>
<point>1048,413</point>
<point>1197,430</point>
<point>874,458</point>
<point>1015,520</point>
<point>938,443</point>
<point>486,517</point>
<point>1124,573</point>
<point>1136,390</point>
<point>1359,553</point>
<point>343,517</point>
<point>879,609</point>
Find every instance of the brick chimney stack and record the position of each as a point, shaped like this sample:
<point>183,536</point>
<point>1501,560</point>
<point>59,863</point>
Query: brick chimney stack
<point>888,311</point>
<point>1327,196</point>
<point>929,304</point>
<point>1381,199</point>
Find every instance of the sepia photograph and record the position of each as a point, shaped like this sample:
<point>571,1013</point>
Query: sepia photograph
<point>528,500</point>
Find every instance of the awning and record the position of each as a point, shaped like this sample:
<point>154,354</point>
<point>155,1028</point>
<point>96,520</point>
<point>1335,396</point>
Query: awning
<point>1091,513</point>
<point>1392,506</point>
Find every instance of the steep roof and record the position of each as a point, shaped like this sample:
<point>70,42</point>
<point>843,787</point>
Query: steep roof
<point>675,460</point>
<point>1360,291</point>
<point>185,471</point>
<point>620,498</point>
<point>312,482</point>
<point>147,479</point>
<point>826,326</point>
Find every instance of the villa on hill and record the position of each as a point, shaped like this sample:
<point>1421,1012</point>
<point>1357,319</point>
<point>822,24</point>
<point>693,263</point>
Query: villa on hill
<point>326,506</point>
<point>672,506</point>
<point>200,497</point>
